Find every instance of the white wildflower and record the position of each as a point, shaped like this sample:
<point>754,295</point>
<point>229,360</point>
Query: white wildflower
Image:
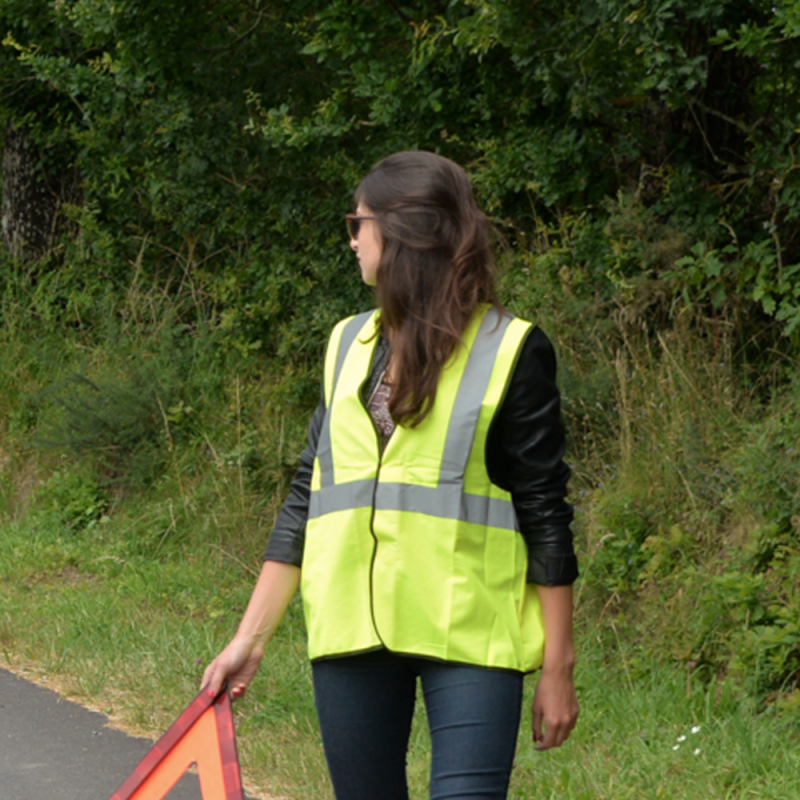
<point>696,729</point>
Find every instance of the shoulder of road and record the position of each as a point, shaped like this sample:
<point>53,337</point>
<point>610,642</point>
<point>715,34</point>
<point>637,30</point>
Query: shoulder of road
<point>53,748</point>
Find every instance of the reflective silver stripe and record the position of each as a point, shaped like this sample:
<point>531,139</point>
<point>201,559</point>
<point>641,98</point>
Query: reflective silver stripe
<point>446,501</point>
<point>356,494</point>
<point>471,392</point>
<point>324,448</point>
<point>351,330</point>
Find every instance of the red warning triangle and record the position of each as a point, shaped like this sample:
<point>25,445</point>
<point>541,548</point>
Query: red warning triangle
<point>204,735</point>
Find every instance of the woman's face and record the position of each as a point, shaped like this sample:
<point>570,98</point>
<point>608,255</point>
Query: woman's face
<point>367,246</point>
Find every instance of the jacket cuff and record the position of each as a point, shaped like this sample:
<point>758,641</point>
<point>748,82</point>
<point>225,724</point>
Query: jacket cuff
<point>552,570</point>
<point>285,557</point>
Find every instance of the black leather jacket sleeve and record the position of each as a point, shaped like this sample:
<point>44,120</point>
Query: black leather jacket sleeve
<point>524,456</point>
<point>289,532</point>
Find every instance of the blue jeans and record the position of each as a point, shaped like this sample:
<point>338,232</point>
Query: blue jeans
<point>365,704</point>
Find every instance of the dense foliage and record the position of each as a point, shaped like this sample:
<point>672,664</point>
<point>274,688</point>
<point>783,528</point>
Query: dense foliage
<point>638,158</point>
<point>650,140</point>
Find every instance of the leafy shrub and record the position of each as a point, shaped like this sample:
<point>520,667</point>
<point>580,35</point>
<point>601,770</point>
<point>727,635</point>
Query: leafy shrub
<point>767,464</point>
<point>72,499</point>
<point>125,414</point>
<point>621,527</point>
<point>117,424</point>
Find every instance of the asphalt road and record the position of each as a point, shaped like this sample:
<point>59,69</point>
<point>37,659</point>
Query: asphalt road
<point>51,749</point>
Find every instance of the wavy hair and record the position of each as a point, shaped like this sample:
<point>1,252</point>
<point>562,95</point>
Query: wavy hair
<point>436,267</point>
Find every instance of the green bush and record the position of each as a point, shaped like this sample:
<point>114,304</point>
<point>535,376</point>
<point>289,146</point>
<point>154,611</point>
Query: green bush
<point>767,464</point>
<point>620,528</point>
<point>71,500</point>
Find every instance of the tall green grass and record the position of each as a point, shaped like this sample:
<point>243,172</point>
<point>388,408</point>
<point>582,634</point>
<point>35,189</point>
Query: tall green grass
<point>143,457</point>
<point>131,634</point>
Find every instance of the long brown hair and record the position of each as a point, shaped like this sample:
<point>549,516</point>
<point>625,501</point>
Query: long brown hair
<point>435,268</point>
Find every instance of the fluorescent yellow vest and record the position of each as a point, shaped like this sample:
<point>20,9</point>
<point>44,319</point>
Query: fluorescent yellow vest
<point>415,549</point>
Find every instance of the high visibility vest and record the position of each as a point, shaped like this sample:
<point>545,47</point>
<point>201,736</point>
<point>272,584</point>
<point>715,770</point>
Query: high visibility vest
<point>415,549</point>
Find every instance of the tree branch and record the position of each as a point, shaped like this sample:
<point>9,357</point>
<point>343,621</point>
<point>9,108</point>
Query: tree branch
<point>399,12</point>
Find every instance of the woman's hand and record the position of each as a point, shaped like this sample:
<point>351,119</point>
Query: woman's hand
<point>555,704</point>
<point>237,664</point>
<point>555,708</point>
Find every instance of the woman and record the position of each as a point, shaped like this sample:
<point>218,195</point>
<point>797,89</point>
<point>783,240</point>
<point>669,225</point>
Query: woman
<point>428,514</point>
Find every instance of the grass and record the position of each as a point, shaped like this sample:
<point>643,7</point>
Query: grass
<point>130,634</point>
<point>650,738</point>
<point>120,592</point>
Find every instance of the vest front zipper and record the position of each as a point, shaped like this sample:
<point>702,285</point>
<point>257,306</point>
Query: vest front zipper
<point>381,441</point>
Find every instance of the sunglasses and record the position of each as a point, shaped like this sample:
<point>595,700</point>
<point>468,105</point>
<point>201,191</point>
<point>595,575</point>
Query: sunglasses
<point>354,223</point>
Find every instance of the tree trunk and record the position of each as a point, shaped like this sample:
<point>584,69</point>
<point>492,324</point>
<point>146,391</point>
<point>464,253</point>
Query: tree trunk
<point>31,205</point>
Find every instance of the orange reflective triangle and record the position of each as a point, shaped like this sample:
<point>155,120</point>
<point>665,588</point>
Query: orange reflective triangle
<point>204,735</point>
